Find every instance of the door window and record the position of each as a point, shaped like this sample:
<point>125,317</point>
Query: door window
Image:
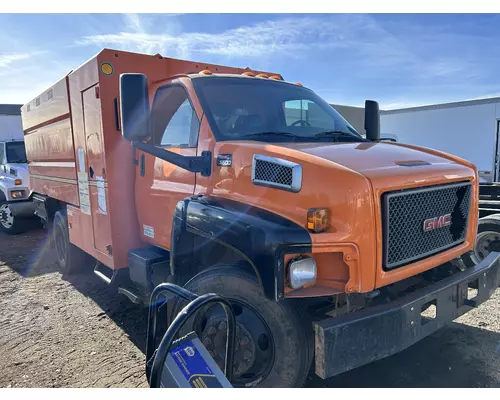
<point>175,123</point>
<point>2,153</point>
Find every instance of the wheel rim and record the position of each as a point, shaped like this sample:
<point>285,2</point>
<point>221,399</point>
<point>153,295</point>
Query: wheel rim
<point>60,244</point>
<point>486,242</point>
<point>254,347</point>
<point>6,217</point>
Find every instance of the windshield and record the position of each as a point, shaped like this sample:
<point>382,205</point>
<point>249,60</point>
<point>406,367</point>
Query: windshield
<point>240,108</point>
<point>16,153</point>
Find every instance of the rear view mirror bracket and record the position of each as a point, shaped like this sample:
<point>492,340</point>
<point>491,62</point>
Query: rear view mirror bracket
<point>201,164</point>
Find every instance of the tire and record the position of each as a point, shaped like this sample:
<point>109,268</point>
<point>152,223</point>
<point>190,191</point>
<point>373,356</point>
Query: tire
<point>70,258</point>
<point>487,240</point>
<point>10,224</point>
<point>290,340</point>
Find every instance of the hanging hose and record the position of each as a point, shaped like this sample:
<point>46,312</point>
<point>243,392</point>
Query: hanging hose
<point>156,356</point>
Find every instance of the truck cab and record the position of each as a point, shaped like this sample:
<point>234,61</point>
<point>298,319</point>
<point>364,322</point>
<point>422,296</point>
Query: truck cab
<point>15,193</point>
<point>234,181</point>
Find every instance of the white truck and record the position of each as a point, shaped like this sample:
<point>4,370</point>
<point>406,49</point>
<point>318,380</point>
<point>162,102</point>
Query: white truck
<point>470,130</point>
<point>16,207</point>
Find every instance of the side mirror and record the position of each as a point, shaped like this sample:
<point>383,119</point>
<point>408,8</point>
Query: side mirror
<point>134,105</point>
<point>372,120</point>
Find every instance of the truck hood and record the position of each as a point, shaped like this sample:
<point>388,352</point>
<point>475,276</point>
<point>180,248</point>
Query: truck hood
<point>382,160</point>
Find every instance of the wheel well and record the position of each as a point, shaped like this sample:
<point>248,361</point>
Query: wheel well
<point>208,253</point>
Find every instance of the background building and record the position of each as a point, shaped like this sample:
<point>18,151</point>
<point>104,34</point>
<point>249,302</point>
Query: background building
<point>10,122</point>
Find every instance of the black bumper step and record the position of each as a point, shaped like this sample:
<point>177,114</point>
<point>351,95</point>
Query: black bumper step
<point>141,263</point>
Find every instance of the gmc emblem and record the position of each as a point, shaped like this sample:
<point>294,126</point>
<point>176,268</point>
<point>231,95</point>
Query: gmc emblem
<point>437,222</point>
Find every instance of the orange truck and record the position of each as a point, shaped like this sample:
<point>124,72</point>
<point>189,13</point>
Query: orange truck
<point>335,250</point>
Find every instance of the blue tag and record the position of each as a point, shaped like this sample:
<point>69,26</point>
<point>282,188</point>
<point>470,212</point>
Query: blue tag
<point>193,366</point>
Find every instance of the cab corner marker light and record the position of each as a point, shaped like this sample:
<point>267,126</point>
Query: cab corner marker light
<point>317,219</point>
<point>107,68</point>
<point>18,182</point>
<point>299,84</point>
<point>262,76</point>
<point>206,72</point>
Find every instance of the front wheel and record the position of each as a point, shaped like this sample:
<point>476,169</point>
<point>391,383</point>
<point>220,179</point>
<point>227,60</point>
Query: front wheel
<point>274,343</point>
<point>8,222</point>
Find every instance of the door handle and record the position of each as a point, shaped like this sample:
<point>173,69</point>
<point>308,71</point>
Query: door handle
<point>142,165</point>
<point>91,173</point>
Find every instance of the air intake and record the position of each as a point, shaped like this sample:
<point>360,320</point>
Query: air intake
<point>277,173</point>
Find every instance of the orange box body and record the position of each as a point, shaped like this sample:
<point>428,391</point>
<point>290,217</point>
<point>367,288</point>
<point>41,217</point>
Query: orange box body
<point>72,132</point>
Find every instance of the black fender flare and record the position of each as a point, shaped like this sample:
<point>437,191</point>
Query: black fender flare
<point>261,237</point>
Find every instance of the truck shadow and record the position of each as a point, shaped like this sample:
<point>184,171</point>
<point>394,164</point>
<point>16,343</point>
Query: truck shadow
<point>456,356</point>
<point>28,254</point>
<point>31,255</point>
<point>130,317</point>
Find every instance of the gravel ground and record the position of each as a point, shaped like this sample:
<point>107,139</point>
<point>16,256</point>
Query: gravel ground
<point>56,332</point>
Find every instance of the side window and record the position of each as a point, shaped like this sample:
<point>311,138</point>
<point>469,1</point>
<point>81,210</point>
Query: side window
<point>306,110</point>
<point>175,122</point>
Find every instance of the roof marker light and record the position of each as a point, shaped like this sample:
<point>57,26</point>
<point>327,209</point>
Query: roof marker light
<point>276,77</point>
<point>248,73</point>
<point>262,76</point>
<point>206,72</point>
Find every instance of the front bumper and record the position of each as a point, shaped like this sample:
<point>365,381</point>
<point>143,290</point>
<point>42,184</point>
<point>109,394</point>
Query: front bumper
<point>22,208</point>
<point>356,339</point>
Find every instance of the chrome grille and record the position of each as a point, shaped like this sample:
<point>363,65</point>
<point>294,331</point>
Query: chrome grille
<point>407,239</point>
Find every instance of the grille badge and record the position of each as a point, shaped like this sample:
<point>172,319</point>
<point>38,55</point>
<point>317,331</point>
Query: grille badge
<point>437,222</point>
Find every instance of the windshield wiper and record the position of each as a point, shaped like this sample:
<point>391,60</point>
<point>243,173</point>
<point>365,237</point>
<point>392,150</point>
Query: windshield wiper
<point>273,133</point>
<point>339,135</point>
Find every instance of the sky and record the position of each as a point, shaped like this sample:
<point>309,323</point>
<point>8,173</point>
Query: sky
<point>400,60</point>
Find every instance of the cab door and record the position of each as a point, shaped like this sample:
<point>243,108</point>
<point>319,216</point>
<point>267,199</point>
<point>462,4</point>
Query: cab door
<point>160,185</point>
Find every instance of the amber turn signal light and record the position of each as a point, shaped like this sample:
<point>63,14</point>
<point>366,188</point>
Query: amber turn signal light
<point>317,219</point>
<point>17,182</point>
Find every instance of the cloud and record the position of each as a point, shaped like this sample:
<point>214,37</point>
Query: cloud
<point>282,36</point>
<point>361,40</point>
<point>7,59</point>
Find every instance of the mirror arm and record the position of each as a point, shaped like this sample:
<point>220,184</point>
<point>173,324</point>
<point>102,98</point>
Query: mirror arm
<point>202,164</point>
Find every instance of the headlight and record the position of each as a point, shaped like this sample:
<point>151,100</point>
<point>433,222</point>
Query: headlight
<point>17,194</point>
<point>301,272</point>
